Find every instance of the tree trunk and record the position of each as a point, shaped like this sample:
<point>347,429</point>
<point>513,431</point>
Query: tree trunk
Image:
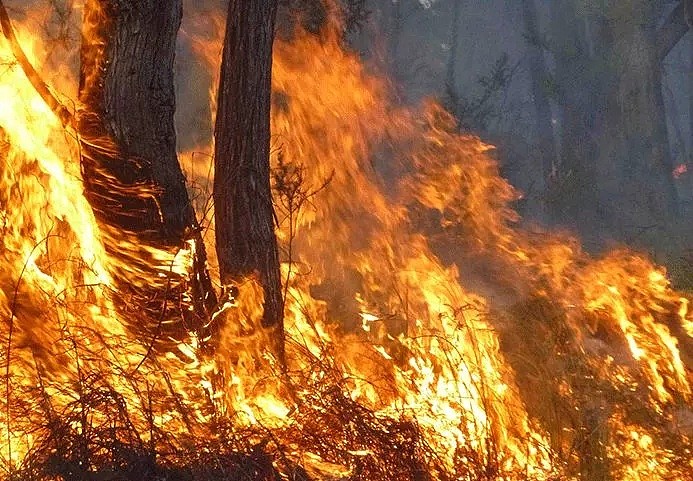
<point>634,165</point>
<point>134,96</point>
<point>244,215</point>
<point>572,191</point>
<point>451,67</point>
<point>394,33</point>
<point>689,162</point>
<point>131,173</point>
<point>673,29</point>
<point>539,82</point>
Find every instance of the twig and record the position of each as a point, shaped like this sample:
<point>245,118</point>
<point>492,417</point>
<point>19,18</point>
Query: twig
<point>13,309</point>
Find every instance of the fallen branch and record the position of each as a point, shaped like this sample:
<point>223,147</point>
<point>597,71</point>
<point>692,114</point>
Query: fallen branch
<point>63,113</point>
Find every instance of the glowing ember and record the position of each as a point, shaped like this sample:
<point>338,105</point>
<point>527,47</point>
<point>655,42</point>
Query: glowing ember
<point>679,170</point>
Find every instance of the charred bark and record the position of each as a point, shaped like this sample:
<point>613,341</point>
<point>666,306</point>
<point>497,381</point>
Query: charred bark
<point>244,215</point>
<point>126,82</point>
<point>131,173</point>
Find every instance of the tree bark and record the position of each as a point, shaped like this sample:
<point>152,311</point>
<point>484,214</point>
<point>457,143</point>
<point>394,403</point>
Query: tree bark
<point>451,67</point>
<point>131,173</point>
<point>572,192</point>
<point>634,166</point>
<point>244,214</point>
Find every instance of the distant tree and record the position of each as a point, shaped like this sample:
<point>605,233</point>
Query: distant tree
<point>474,113</point>
<point>674,27</point>
<point>689,22</point>
<point>395,19</point>
<point>573,195</point>
<point>634,166</point>
<point>616,170</point>
<point>539,78</point>
<point>451,67</point>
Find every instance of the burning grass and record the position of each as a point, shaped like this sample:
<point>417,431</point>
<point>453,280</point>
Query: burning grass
<point>89,428</point>
<point>147,429</point>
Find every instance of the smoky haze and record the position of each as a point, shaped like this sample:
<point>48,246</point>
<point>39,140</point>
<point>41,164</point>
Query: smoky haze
<point>590,122</point>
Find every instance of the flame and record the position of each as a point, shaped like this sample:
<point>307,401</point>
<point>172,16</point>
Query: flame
<point>679,171</point>
<point>403,295</point>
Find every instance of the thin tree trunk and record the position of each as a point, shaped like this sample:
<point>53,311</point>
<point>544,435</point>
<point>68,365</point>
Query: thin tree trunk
<point>394,33</point>
<point>451,68</point>
<point>244,215</point>
<point>131,173</point>
<point>572,192</point>
<point>690,113</point>
<point>539,78</point>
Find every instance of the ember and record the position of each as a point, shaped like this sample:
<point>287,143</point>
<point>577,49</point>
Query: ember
<point>679,170</point>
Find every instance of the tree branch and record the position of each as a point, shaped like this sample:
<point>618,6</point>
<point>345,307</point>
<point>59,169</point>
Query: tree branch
<point>63,113</point>
<point>674,28</point>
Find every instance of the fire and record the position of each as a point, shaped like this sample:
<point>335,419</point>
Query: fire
<point>408,299</point>
<point>679,171</point>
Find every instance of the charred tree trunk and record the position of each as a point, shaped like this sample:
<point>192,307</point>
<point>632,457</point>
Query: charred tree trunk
<point>131,172</point>
<point>127,82</point>
<point>244,215</point>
